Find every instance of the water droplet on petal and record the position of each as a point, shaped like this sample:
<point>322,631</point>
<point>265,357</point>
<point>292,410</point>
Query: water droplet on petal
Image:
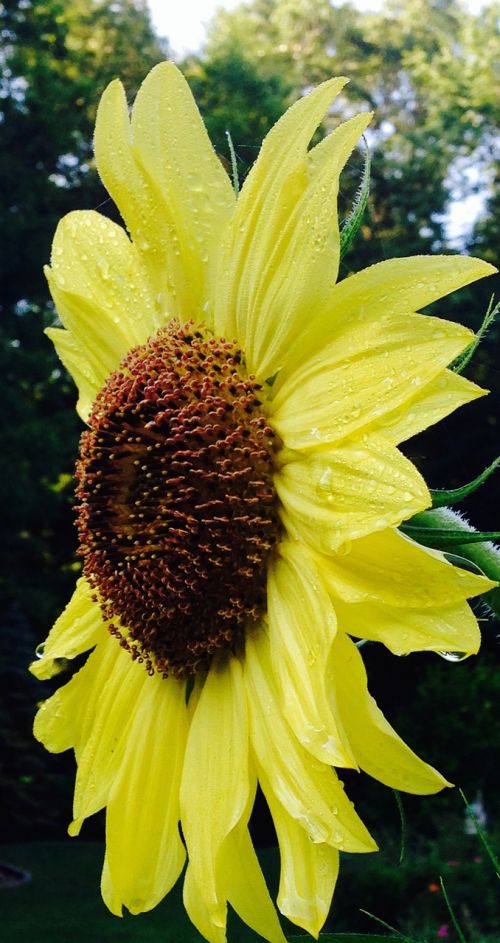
<point>454,656</point>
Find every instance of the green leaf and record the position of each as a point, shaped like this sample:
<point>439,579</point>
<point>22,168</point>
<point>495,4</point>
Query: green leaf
<point>441,498</point>
<point>451,912</point>
<point>352,222</point>
<point>461,362</point>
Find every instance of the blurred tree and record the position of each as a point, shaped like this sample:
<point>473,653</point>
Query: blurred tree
<point>425,67</point>
<point>234,96</point>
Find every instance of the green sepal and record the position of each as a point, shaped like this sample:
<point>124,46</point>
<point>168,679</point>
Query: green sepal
<point>463,563</point>
<point>461,362</point>
<point>350,226</point>
<point>402,817</point>
<point>447,530</point>
<point>234,165</point>
<point>441,498</point>
<point>440,538</point>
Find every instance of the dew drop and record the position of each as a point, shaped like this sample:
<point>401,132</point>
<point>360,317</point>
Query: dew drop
<point>453,656</point>
<point>39,650</point>
<point>103,266</point>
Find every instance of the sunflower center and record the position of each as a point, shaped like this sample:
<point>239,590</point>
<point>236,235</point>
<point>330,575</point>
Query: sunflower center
<point>177,511</point>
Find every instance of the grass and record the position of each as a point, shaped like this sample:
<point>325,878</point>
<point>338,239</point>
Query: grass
<point>62,903</point>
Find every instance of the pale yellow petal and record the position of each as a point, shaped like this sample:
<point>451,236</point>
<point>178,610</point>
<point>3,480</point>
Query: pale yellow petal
<point>436,400</point>
<point>402,630</point>
<point>246,888</point>
<point>308,789</point>
<point>99,287</point>
<point>379,750</point>
<point>300,270</point>
<point>342,493</point>
<point>109,895</point>
<point>171,189</point>
<point>302,627</point>
<point>145,854</point>
<point>390,568</point>
<point>85,367</point>
<point>78,628</point>
<point>378,294</point>
<point>272,191</point>
<point>308,871</point>
<point>215,781</point>
<point>366,371</point>
<point>106,720</point>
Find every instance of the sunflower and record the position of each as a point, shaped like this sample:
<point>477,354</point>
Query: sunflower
<point>239,496</point>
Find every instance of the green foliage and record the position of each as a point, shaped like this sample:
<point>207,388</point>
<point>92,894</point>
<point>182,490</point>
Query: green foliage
<point>454,722</point>
<point>34,790</point>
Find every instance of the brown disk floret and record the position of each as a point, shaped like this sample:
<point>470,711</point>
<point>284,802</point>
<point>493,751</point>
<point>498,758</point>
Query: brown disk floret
<point>177,510</point>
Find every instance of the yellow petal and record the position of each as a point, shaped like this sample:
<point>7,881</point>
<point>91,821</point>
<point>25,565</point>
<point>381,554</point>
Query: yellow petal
<point>402,630</point>
<point>390,568</point>
<point>379,293</point>
<point>366,371</point>
<point>308,871</point>
<point>436,400</point>
<point>62,719</point>
<point>171,189</point>
<point>359,487</point>
<point>308,789</point>
<point>86,368</point>
<point>302,627</point>
<point>379,750</point>
<point>300,270</point>
<point>246,888</point>
<point>215,781</point>
<point>77,629</point>
<point>198,913</point>
<point>272,191</point>
<point>105,728</point>
<point>99,287</point>
<point>145,854</point>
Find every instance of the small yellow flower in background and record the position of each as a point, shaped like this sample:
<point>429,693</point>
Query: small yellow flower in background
<point>239,494</point>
